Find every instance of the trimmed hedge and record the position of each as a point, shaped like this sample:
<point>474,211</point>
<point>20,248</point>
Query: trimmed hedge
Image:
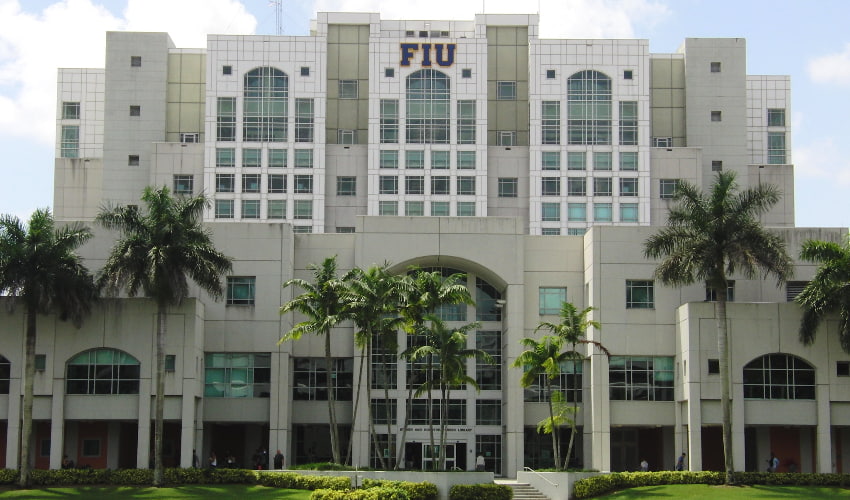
<point>325,466</point>
<point>295,481</point>
<point>481,492</point>
<point>607,483</point>
<point>415,491</point>
<point>374,493</point>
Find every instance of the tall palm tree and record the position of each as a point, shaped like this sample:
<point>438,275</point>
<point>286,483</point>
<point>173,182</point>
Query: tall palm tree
<point>829,290</point>
<point>710,237</point>
<point>543,359</point>
<point>158,251</point>
<point>39,267</point>
<point>573,329</point>
<point>323,306</point>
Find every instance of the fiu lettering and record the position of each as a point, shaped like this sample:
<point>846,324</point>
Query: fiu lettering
<point>441,53</point>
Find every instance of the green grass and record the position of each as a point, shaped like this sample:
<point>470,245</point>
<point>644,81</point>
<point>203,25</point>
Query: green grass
<point>211,491</point>
<point>706,492</point>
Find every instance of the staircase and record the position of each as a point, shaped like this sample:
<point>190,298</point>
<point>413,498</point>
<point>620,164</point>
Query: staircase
<point>523,491</point>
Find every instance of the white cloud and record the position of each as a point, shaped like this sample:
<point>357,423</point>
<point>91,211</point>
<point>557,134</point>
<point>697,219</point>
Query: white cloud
<point>831,68</point>
<point>822,159</point>
<point>71,33</point>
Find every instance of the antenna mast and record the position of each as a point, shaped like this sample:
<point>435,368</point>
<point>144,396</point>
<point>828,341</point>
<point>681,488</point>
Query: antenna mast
<point>278,16</point>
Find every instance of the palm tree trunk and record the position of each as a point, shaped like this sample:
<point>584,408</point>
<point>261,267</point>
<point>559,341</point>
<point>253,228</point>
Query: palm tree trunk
<point>575,392</point>
<point>430,378</point>
<point>369,413</point>
<point>401,446</point>
<point>29,375</point>
<point>159,412</point>
<point>388,410</point>
<point>331,399</point>
<point>556,452</point>
<point>725,402</point>
<point>444,413</point>
<point>356,406</point>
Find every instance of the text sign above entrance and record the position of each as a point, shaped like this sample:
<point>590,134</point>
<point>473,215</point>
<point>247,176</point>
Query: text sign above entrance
<point>441,53</point>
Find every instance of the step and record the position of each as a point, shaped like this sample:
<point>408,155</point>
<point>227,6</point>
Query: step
<point>524,491</point>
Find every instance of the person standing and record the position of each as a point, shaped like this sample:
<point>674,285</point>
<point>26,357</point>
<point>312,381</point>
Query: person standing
<point>479,462</point>
<point>644,465</point>
<point>196,462</point>
<point>278,460</point>
<point>772,463</point>
<point>680,462</point>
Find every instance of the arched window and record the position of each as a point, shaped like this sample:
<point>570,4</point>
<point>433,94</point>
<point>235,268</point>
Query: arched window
<point>5,374</point>
<point>428,99</point>
<point>779,376</point>
<point>264,113</point>
<point>102,371</point>
<point>589,108</point>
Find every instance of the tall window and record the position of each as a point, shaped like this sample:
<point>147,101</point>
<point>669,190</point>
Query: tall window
<point>102,371</point>
<point>303,120</point>
<point>640,294</point>
<point>775,117</point>
<point>568,382</point>
<point>310,379</point>
<point>641,378</point>
<point>70,110</point>
<point>489,375</point>
<point>776,148</point>
<point>237,375</point>
<point>466,122</point>
<point>5,374</point>
<point>427,107</point>
<point>226,119</point>
<point>779,376</point>
<point>551,125</point>
<point>265,106</point>
<point>389,121</point>
<point>628,123</point>
<point>70,145</point>
<point>241,290</point>
<point>589,108</point>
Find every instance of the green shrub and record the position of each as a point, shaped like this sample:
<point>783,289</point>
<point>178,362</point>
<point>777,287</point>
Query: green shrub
<point>133,477</point>
<point>326,466</point>
<point>373,493</point>
<point>185,476</point>
<point>67,477</point>
<point>481,492</point>
<point>291,480</point>
<point>415,491</point>
<point>229,476</point>
<point>8,476</point>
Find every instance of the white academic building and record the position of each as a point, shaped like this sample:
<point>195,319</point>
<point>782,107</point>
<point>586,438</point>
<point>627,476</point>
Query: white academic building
<point>537,167</point>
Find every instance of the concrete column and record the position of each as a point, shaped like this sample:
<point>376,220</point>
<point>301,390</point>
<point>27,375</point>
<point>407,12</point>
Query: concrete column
<point>513,408</point>
<point>13,423</point>
<point>144,433</point>
<point>279,407</point>
<point>57,424</point>
<point>187,422</point>
<point>824,431</point>
<point>600,411</point>
<point>738,425</point>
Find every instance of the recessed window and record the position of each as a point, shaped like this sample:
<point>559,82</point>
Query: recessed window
<point>133,160</point>
<point>466,209</point>
<point>576,186</point>
<point>389,72</point>
<point>225,157</point>
<point>662,142</point>
<point>102,371</point>
<point>296,229</point>
<point>716,116</point>
<point>241,290</point>
<point>225,183</point>
<point>348,89</point>
<point>276,209</point>
<point>439,159</point>
<point>184,184</point>
<point>550,231</point>
<point>189,137</point>
<point>716,165</point>
<point>91,447</point>
<point>775,117</point>
<point>346,186</point>
<point>602,186</point>
<point>506,91</point>
<point>346,136</point>
<point>440,184</point>
<point>603,160</point>
<point>627,74</point>
<point>275,183</point>
<point>309,379</point>
<point>576,160</point>
<point>779,376</point>
<point>466,185</point>
<point>641,378</point>
<point>628,160</point>
<point>628,186</point>
<point>715,67</point>
<point>250,183</point>
<point>713,366</point>
<point>577,212</point>
<point>551,298</point>
<point>488,411</point>
<point>508,187</point>
<point>507,138</point>
<point>135,110</point>
<point>629,212</point>
<point>387,207</point>
<point>344,229</point>
<point>277,158</point>
<point>439,209</point>
<point>711,293</point>
<point>40,365</point>
<point>237,375</point>
<point>305,71</point>
<point>466,73</point>
<point>223,209</point>
<point>250,209</point>
<point>550,74</point>
<point>550,212</point>
<point>303,183</point>
<point>170,362</point>
<point>414,184</point>
<point>776,148</point>
<point>842,368</point>
<point>388,184</point>
<point>550,186</point>
<point>388,159</point>
<point>414,208</point>
<point>227,70</point>
<point>303,158</point>
<point>603,212</point>
<point>640,294</point>
<point>423,34</point>
<point>71,110</point>
<point>667,188</point>
<point>550,160</point>
<point>135,61</point>
<point>465,160</point>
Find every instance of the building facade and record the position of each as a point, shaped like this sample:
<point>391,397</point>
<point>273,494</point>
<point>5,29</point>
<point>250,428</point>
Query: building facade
<point>535,167</point>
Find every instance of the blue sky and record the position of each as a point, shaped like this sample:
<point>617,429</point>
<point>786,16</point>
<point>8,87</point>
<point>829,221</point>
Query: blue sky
<point>804,39</point>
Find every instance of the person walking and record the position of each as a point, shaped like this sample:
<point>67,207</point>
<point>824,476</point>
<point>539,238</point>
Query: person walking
<point>680,462</point>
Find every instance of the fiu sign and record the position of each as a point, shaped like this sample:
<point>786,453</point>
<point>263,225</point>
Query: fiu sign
<point>441,53</point>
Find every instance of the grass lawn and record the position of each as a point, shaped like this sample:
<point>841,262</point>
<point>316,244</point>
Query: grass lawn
<point>706,492</point>
<point>212,491</point>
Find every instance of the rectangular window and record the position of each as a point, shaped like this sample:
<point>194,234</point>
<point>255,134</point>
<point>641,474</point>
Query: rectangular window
<point>237,375</point>
<point>70,145</point>
<point>576,231</point>
<point>466,209</point>
<point>70,110</point>
<point>550,74</point>
<point>310,379</point>
<point>190,137</point>
<point>628,74</point>
<point>250,209</point>
<point>662,142</point>
<point>302,229</point>
<point>711,293</point>
<point>507,138</point>
<point>133,160</point>
<point>577,212</point>
<point>303,158</point>
<point>223,209</point>
<point>226,119</point>
<point>225,157</point>
<point>135,110</point>
<point>602,161</point>
<point>602,186</point>
<point>389,72</point>
<point>628,212</point>
<point>387,208</point>
<point>466,73</point>
<point>383,413</point>
<point>276,209</point>
<point>550,212</point>
<point>628,186</point>
<point>715,66</point>
<point>550,186</point>
<point>303,120</point>
<point>276,183</point>
<point>346,136</point>
<point>344,229</point>
<point>252,158</point>
<point>225,183</point>
<point>716,165</point>
<point>346,186</point>
<point>640,294</point>
<point>775,117</point>
<point>91,447</point>
<point>488,412</point>
<point>551,122</point>
<point>227,70</point>
<point>716,116</point>
<point>713,366</point>
<point>389,121</point>
<point>667,188</point>
<point>551,299</point>
<point>303,184</point>
<point>414,184</point>
<point>466,185</point>
<point>135,61</point>
<point>414,208</point>
<point>440,184</point>
<point>241,290</point>
<point>576,186</point>
<point>776,148</point>
<point>550,231</point>
<point>440,160</point>
<point>794,288</point>
<point>466,122</point>
<point>305,71</point>
<point>628,123</point>
<point>602,212</point>
<point>550,160</point>
<point>576,160</point>
<point>456,412</point>
<point>439,209</point>
<point>388,184</point>
<point>489,375</point>
<point>842,368</point>
<point>303,209</point>
<point>506,91</point>
<point>628,160</point>
<point>568,382</point>
<point>465,160</point>
<point>508,187</point>
<point>184,184</point>
<point>388,159</point>
<point>641,378</point>
<point>348,89</point>
<point>414,159</point>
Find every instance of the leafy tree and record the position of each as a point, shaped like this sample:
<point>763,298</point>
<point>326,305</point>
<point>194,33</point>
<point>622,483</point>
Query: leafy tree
<point>39,267</point>
<point>323,306</point>
<point>710,237</point>
<point>829,290</point>
<point>572,329</point>
<point>157,253</point>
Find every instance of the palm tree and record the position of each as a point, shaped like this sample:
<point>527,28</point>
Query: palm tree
<point>543,359</point>
<point>829,290</point>
<point>710,237</point>
<point>39,267</point>
<point>448,346</point>
<point>572,329</point>
<point>323,305</point>
<point>157,252</point>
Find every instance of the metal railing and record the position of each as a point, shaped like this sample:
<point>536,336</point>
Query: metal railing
<point>529,469</point>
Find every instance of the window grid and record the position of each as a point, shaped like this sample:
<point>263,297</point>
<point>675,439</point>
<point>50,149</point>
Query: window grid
<point>488,376</point>
<point>265,105</point>
<point>776,117</point>
<point>779,376</point>
<point>237,375</point>
<point>70,110</point>
<point>628,123</point>
<point>603,212</point>
<point>550,299</point>
<point>414,184</point>
<point>102,371</point>
<point>568,382</point>
<point>303,120</point>
<point>550,186</point>
<point>550,160</point>
<point>250,183</point>
<point>70,144</point>
<point>551,122</point>
<point>224,209</point>
<point>241,290</point>
<point>776,148</point>
<point>389,121</point>
<point>303,184</point>
<point>303,209</point>
<point>508,187</point>
<point>428,99</point>
<point>641,378</point>
<point>388,159</point>
<point>184,184</point>
<point>250,209</point>
<point>346,186</point>
<point>465,185</point>
<point>628,186</point>
<point>506,91</point>
<point>488,412</point>
<point>276,183</point>
<point>465,160</point>
<point>550,212</point>
<point>640,294</point>
<point>310,379</point>
<point>602,186</point>
<point>466,122</point>
<point>589,108</point>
